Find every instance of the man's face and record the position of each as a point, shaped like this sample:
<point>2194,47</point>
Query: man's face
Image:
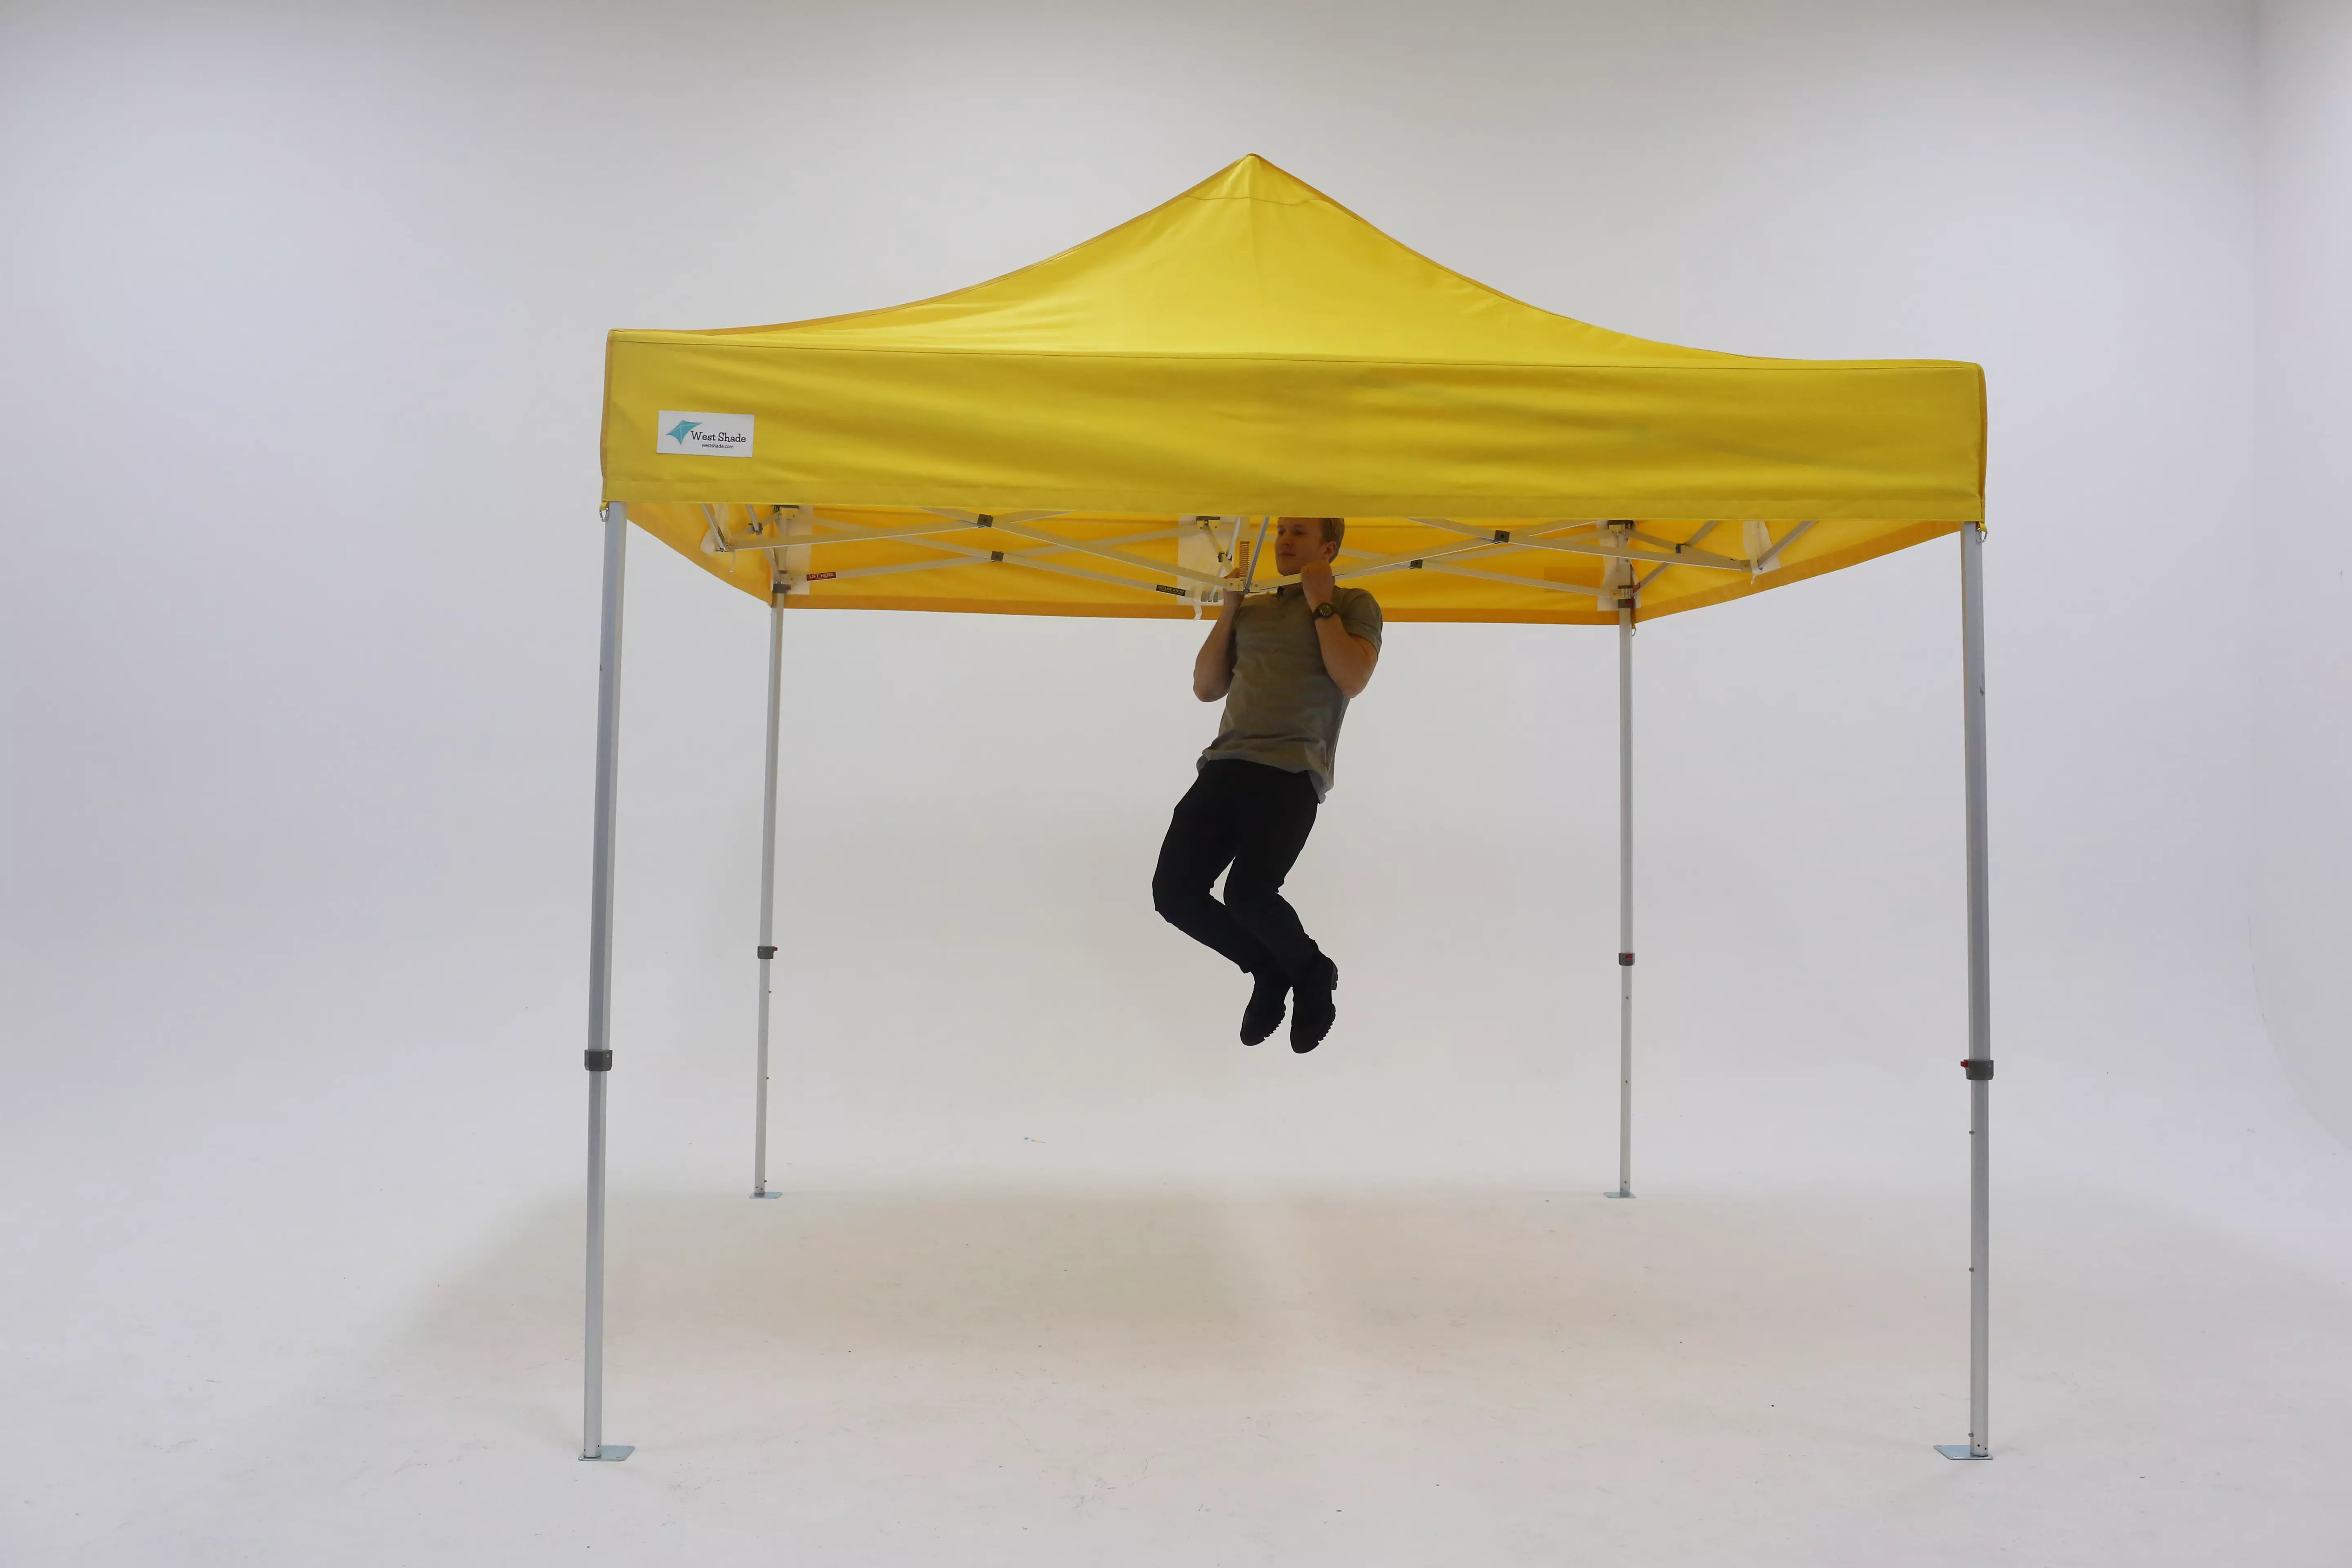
<point>1298,540</point>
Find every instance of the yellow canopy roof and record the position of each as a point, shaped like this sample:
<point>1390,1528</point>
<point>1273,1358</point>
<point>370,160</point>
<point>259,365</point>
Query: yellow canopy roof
<point>1087,435</point>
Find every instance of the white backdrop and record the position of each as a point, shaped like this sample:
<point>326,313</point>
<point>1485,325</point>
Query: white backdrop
<point>304,319</point>
<point>2303,770</point>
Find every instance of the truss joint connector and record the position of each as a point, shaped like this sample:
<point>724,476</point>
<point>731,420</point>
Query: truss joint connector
<point>1625,960</point>
<point>1978,1071</point>
<point>598,1061</point>
<point>766,953</point>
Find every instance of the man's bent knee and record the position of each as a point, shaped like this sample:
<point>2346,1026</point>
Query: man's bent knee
<point>1251,901</point>
<point>1174,896</point>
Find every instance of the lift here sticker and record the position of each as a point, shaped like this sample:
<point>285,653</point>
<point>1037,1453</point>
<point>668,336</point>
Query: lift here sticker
<point>679,434</point>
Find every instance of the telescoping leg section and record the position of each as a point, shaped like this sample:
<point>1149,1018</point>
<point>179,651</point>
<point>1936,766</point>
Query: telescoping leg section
<point>1979,1065</point>
<point>767,949</point>
<point>600,984</point>
<point>1624,899</point>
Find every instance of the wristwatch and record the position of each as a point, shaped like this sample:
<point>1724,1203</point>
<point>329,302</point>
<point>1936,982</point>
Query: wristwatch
<point>1326,610</point>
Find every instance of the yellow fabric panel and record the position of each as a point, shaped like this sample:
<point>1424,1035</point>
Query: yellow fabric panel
<point>1254,348</point>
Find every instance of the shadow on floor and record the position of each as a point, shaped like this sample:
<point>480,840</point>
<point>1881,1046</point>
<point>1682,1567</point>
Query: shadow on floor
<point>968,1269</point>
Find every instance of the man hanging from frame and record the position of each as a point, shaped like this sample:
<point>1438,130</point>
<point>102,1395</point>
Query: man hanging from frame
<point>1286,664</point>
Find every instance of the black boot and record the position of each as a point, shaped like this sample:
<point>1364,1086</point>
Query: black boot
<point>1264,1014</point>
<point>1312,1009</point>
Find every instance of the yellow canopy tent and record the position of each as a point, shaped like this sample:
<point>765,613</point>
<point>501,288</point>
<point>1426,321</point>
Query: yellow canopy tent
<point>1252,348</point>
<point>1093,434</point>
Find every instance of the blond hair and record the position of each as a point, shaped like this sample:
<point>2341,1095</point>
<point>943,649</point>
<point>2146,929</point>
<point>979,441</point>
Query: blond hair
<point>1334,528</point>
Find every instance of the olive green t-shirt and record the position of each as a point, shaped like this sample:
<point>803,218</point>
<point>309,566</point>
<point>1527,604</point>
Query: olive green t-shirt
<point>1284,708</point>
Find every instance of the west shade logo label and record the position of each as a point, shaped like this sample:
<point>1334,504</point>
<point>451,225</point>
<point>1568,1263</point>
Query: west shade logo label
<point>681,434</point>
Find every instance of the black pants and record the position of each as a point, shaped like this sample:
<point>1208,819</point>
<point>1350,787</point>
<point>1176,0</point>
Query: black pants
<point>1255,818</point>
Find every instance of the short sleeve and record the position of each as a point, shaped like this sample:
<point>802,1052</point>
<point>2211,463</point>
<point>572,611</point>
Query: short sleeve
<point>1360,613</point>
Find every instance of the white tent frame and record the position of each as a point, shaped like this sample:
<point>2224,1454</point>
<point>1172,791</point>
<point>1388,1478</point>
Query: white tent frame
<point>788,534</point>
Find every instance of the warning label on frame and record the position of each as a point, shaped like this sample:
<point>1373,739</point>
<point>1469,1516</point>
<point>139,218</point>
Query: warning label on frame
<point>683,435</point>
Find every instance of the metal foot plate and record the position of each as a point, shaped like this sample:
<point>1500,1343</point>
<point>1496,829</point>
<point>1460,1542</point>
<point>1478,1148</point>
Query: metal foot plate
<point>1960,1451</point>
<point>611,1453</point>
<point>1616,1194</point>
<point>767,1195</point>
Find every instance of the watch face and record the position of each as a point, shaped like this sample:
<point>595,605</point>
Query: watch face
<point>1326,610</point>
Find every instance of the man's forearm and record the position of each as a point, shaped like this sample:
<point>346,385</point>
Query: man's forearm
<point>1212,666</point>
<point>1348,659</point>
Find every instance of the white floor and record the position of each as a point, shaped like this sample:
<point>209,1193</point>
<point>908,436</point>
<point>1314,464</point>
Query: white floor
<point>975,1375</point>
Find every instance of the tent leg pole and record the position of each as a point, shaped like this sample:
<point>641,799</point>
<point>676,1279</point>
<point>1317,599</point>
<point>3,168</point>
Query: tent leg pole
<point>768,886</point>
<point>1625,900</point>
<point>1979,1065</point>
<point>600,982</point>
